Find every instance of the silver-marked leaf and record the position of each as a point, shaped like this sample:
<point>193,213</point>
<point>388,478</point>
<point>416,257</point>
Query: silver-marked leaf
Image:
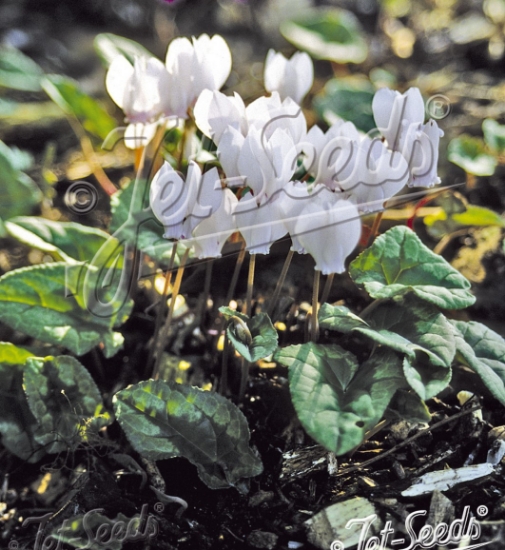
<point>17,423</point>
<point>338,417</point>
<point>64,400</point>
<point>408,327</point>
<point>398,263</point>
<point>169,420</point>
<point>254,338</point>
<point>483,350</point>
<point>65,241</point>
<point>48,302</point>
<point>426,380</point>
<point>407,406</point>
<point>471,154</point>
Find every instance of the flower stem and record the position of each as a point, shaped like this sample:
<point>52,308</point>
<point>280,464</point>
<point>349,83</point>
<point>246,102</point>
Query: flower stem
<point>327,287</point>
<point>250,284</point>
<point>162,306</point>
<point>164,331</point>
<point>204,297</point>
<point>315,295</point>
<point>375,227</point>
<point>280,283</point>
<point>236,272</point>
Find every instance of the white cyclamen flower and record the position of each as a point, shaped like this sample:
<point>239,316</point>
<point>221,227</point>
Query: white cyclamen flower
<point>180,206</point>
<point>395,113</point>
<point>210,235</point>
<point>291,78</point>
<point>328,228</point>
<point>202,64</point>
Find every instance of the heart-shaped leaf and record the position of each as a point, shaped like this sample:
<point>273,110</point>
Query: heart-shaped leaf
<point>254,338</point>
<point>426,380</point>
<point>398,263</point>
<point>337,416</point>
<point>483,350</point>
<point>169,420</point>
<point>64,400</point>
<point>494,135</point>
<point>409,327</point>
<point>470,153</point>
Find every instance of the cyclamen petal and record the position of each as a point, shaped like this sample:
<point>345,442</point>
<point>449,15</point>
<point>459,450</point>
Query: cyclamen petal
<point>180,62</point>
<point>290,78</point>
<point>421,153</point>
<point>213,62</point>
<point>117,78</point>
<point>215,113</point>
<point>329,232</point>
<point>211,234</point>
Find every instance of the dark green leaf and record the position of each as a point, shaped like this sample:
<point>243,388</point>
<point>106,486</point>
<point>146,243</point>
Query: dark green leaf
<point>50,302</point>
<point>66,94</point>
<point>407,406</point>
<point>17,423</point>
<point>254,338</point>
<point>65,241</point>
<point>483,350</point>
<point>64,400</point>
<point>133,222</point>
<point>470,153</point>
<point>398,263</point>
<point>409,327</point>
<point>165,421</point>
<point>108,46</point>
<point>426,380</point>
<point>335,415</point>
<point>18,193</point>
<point>494,135</point>
<point>328,34</point>
<point>350,99</point>
<point>18,71</point>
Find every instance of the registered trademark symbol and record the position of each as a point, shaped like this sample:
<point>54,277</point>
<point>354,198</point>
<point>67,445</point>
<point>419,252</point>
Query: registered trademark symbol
<point>13,545</point>
<point>159,507</point>
<point>482,510</point>
<point>438,107</point>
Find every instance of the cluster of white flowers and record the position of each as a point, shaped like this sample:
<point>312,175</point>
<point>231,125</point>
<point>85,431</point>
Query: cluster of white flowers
<point>262,146</point>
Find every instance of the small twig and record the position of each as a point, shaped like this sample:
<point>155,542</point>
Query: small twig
<point>408,441</point>
<point>327,287</point>
<point>315,297</point>
<point>280,283</point>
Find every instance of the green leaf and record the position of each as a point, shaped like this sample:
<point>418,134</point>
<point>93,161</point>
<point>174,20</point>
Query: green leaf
<point>408,327</point>
<point>18,71</point>
<point>350,99</point>
<point>338,415</point>
<point>494,135</point>
<point>407,406</point>
<point>66,94</point>
<point>108,46</point>
<point>66,241</point>
<point>426,380</point>
<point>49,302</point>
<point>64,400</point>
<point>17,423</point>
<point>169,420</point>
<point>398,263</point>
<point>470,153</point>
<point>331,34</point>
<point>483,350</point>
<point>133,222</point>
<point>254,338</point>
<point>18,192</point>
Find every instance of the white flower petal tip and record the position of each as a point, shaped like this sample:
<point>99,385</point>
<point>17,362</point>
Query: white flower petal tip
<point>290,78</point>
